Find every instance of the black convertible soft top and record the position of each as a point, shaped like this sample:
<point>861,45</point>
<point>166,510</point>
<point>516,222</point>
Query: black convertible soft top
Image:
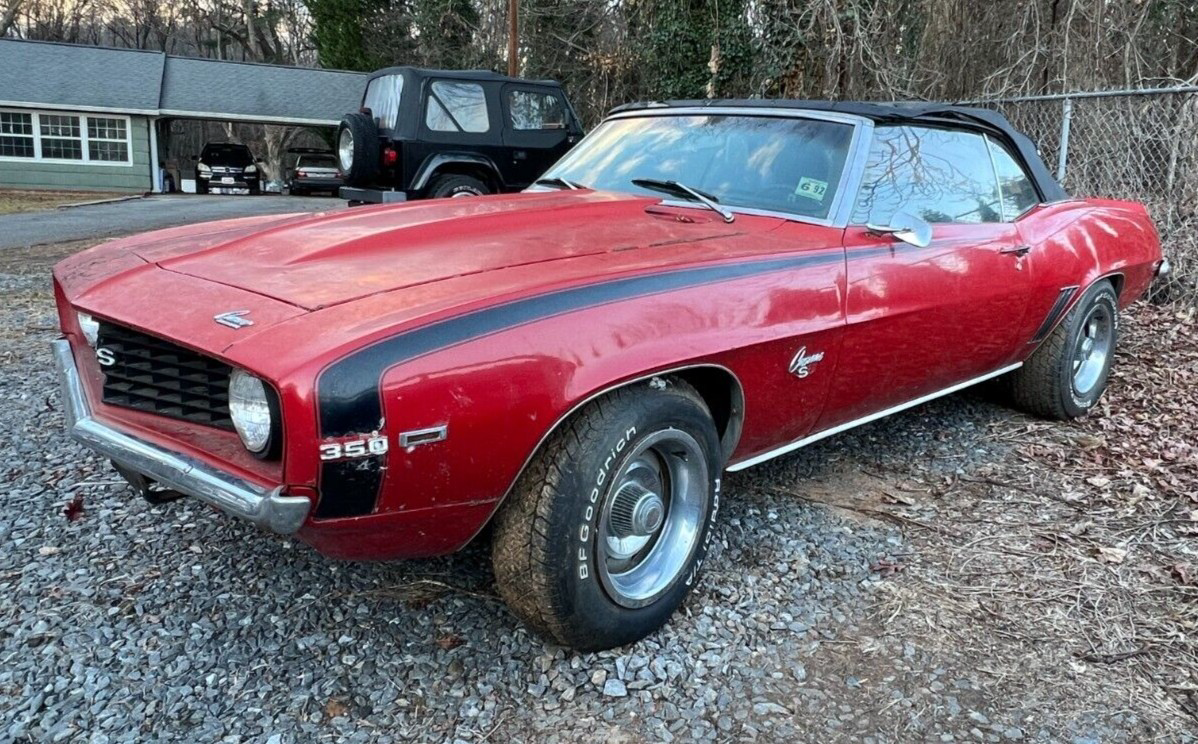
<point>903,111</point>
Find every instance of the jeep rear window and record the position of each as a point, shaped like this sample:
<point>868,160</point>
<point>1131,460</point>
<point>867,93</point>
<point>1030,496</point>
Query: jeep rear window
<point>792,165</point>
<point>382,98</point>
<point>457,107</point>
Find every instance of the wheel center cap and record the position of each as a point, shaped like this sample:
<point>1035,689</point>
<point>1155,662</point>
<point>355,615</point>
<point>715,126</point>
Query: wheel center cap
<point>636,511</point>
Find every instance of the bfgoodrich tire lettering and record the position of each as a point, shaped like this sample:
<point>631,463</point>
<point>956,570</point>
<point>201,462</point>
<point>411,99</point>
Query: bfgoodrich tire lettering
<point>551,535</point>
<point>1067,375</point>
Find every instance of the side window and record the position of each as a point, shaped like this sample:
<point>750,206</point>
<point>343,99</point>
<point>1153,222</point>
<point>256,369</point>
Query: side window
<point>535,110</point>
<point>1018,191</point>
<point>456,107</point>
<point>941,175</point>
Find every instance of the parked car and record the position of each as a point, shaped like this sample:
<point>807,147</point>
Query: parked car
<point>227,167</point>
<point>696,288</point>
<point>314,171</point>
<point>437,133</point>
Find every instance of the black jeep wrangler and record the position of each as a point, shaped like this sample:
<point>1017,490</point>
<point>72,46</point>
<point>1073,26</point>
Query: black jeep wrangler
<point>432,133</point>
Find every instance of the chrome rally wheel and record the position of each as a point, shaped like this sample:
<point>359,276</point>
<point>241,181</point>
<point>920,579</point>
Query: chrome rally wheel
<point>652,517</point>
<point>1092,349</point>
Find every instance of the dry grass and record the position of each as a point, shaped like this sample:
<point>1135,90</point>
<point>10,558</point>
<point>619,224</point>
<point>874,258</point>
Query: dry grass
<point>15,202</point>
<point>1072,561</point>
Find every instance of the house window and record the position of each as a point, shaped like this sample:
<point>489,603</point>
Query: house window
<point>107,139</point>
<point>16,135</point>
<point>58,137</point>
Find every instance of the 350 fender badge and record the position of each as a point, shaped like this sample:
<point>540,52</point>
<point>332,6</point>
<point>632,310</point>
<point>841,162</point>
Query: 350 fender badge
<point>800,366</point>
<point>234,319</point>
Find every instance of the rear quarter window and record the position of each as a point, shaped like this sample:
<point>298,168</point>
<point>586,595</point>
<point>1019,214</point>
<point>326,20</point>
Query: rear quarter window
<point>941,175</point>
<point>457,107</point>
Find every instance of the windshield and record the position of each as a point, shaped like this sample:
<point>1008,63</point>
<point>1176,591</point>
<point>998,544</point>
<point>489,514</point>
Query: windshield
<point>382,98</point>
<point>226,155</point>
<point>780,164</point>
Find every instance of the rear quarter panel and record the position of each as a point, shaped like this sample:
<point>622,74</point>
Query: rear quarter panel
<point>1079,242</point>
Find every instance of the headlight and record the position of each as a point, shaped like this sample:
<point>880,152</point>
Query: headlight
<point>251,169</point>
<point>203,168</point>
<point>89,326</point>
<point>250,409</point>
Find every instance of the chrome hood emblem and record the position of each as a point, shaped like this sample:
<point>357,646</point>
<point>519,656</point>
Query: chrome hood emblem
<point>234,319</point>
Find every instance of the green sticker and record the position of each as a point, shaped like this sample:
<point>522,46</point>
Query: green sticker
<point>811,188</point>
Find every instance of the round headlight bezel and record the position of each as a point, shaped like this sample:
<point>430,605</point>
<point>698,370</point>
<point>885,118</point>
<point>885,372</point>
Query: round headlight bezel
<point>251,397</point>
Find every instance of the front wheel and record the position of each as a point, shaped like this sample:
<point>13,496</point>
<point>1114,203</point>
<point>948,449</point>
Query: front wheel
<point>1065,377</point>
<point>606,530</point>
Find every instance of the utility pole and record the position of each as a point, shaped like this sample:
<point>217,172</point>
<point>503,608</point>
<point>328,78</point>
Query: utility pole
<point>513,32</point>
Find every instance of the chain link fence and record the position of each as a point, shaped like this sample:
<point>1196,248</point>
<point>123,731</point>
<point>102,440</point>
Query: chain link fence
<point>1128,144</point>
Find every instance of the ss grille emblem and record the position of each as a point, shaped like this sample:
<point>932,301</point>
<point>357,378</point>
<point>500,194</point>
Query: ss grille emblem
<point>105,357</point>
<point>234,319</point>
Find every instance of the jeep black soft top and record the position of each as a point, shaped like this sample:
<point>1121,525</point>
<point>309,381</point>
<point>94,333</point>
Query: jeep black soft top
<point>431,133</point>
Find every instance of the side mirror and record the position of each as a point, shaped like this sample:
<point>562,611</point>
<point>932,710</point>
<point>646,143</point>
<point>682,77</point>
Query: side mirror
<point>195,157</point>
<point>906,227</point>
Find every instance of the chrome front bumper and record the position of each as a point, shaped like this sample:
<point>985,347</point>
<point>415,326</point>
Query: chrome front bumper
<point>269,509</point>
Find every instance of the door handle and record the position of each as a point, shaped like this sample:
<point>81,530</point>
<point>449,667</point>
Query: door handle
<point>1016,250</point>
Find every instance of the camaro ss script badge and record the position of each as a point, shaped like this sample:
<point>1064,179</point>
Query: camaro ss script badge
<point>234,319</point>
<point>800,366</point>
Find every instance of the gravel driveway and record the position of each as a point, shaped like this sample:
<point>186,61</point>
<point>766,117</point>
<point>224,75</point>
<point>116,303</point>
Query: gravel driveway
<point>139,215</point>
<point>932,577</point>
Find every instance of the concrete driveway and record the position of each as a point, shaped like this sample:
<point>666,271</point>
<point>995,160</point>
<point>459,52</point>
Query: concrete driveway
<point>140,215</point>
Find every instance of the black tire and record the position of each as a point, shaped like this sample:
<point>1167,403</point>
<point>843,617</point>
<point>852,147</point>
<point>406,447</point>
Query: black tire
<point>1046,384</point>
<point>546,544</point>
<point>201,187</point>
<point>454,184</point>
<point>364,168</point>
<point>298,191</point>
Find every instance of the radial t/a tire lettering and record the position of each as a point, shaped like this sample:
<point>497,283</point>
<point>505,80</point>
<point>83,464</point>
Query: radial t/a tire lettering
<point>607,529</point>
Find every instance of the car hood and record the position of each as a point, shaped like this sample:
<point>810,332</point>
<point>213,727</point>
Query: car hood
<point>313,262</point>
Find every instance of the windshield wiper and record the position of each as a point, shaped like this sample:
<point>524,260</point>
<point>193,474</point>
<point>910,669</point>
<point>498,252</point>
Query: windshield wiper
<point>686,192</point>
<point>558,182</point>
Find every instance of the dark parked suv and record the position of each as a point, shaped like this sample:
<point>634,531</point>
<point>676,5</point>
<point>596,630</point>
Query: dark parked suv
<point>227,167</point>
<point>435,133</point>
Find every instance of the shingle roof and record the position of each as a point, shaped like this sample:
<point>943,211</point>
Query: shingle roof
<point>81,76</point>
<point>72,76</point>
<point>260,91</point>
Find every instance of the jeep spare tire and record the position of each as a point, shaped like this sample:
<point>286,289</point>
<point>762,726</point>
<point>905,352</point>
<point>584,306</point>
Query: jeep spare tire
<point>358,149</point>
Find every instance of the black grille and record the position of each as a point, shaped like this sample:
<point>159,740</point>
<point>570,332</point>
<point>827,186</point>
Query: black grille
<point>156,376</point>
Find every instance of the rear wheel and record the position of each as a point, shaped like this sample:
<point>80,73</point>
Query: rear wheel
<point>605,532</point>
<point>454,185</point>
<point>1065,377</point>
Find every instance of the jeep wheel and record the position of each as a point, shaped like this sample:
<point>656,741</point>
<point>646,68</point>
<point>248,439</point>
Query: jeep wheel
<point>358,149</point>
<point>605,532</point>
<point>453,185</point>
<point>1066,376</point>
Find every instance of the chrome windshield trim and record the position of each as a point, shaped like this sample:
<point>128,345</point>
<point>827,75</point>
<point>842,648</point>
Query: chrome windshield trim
<point>265,507</point>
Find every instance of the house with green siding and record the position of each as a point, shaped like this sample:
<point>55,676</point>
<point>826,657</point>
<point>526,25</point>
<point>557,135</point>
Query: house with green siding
<point>79,118</point>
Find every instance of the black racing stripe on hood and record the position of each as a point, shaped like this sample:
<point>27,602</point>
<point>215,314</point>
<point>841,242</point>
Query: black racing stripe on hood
<point>348,391</point>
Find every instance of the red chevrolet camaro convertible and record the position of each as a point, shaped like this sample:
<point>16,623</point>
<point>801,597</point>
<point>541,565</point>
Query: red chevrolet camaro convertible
<point>696,287</point>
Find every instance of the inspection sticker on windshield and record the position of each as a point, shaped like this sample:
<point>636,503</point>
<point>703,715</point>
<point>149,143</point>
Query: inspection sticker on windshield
<point>811,188</point>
